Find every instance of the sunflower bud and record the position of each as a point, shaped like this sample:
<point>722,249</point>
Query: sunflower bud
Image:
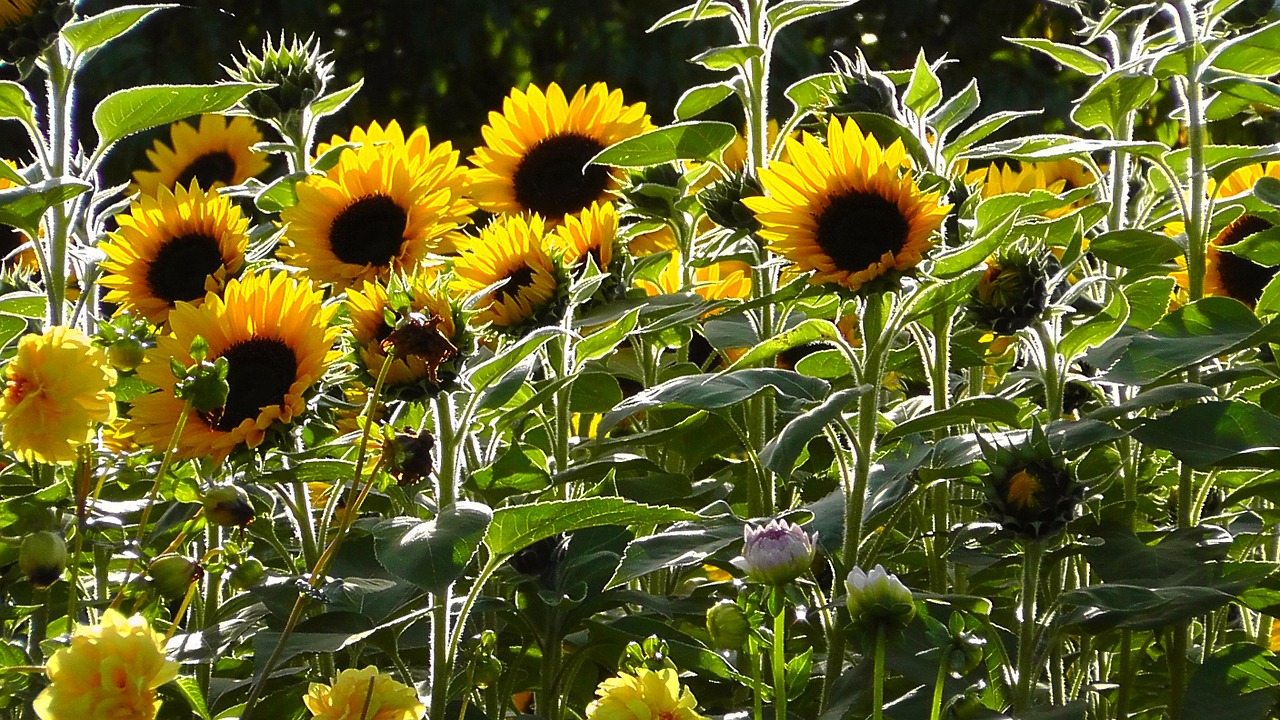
<point>728,626</point>
<point>878,598</point>
<point>1013,292</point>
<point>42,557</point>
<point>228,506</point>
<point>856,89</point>
<point>172,574</point>
<point>126,354</point>
<point>247,574</point>
<point>775,554</point>
<point>298,71</point>
<point>204,385</point>
<point>1028,490</point>
<point>652,192</point>
<point>28,27</point>
<point>723,202</point>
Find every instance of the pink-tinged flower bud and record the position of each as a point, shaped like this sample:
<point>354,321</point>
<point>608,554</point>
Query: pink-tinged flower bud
<point>777,553</point>
<point>878,598</point>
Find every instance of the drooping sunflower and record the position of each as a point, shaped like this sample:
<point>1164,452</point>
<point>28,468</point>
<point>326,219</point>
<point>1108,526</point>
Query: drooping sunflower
<point>384,206</point>
<point>29,27</point>
<point>512,250</point>
<point>591,232</point>
<point>849,210</point>
<point>368,308</point>
<point>273,331</point>
<point>1243,179</point>
<point>219,152</point>
<point>535,149</point>
<point>174,247</point>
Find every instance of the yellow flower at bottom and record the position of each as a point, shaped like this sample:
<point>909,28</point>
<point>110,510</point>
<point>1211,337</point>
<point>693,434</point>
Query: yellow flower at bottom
<point>647,695</point>
<point>55,392</point>
<point>347,697</point>
<point>110,670</point>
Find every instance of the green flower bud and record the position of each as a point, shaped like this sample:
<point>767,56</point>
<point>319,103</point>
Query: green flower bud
<point>126,354</point>
<point>228,506</point>
<point>172,574</point>
<point>486,671</point>
<point>247,574</point>
<point>204,385</point>
<point>1028,490</point>
<point>298,72</point>
<point>878,598</point>
<point>28,27</point>
<point>728,626</point>
<point>1014,291</point>
<point>42,557</point>
<point>723,202</point>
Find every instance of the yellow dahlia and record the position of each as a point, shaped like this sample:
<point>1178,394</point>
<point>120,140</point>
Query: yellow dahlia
<point>363,695</point>
<point>56,392</point>
<point>513,251</point>
<point>849,210</point>
<point>368,307</point>
<point>217,153</point>
<point>173,247</point>
<point>110,670</point>
<point>592,232</point>
<point>273,331</point>
<point>384,206</point>
<point>647,695</point>
<point>535,149</point>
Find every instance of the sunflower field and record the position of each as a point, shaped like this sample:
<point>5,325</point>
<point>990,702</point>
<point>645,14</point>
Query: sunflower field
<point>846,398</point>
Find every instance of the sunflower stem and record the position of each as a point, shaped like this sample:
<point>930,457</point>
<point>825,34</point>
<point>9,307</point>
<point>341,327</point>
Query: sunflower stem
<point>780,662</point>
<point>1033,552</point>
<point>874,333</point>
<point>877,696</point>
<point>940,379</point>
<point>757,79</point>
<point>1051,372</point>
<point>60,138</point>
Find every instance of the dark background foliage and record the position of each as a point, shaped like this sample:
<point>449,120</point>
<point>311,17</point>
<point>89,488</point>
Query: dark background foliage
<point>447,63</point>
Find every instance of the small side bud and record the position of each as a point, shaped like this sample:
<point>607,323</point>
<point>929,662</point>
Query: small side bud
<point>42,558</point>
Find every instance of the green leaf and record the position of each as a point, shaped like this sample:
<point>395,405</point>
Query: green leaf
<point>694,140</point>
<point>336,100</point>
<point>602,342</point>
<point>1135,248</point>
<point>126,112</point>
<point>1262,248</point>
<point>1130,607</point>
<point>924,91</point>
<point>16,104</point>
<point>1148,300</point>
<point>981,130</point>
<point>811,90</point>
<point>957,109</point>
<point>22,207</point>
<point>714,392</point>
<point>8,173</point>
<point>1189,335</point>
<point>190,691</point>
<point>701,10</point>
<point>701,98</point>
<point>1109,102</point>
<point>957,262</point>
<point>1256,53</point>
<point>519,526</point>
<point>782,452</point>
<point>1098,329</point>
<point>806,332</point>
<point>280,195</point>
<point>519,469</point>
<point>23,304</point>
<point>969,410</point>
<point>1238,682</point>
<point>728,57</point>
<point>1037,148</point>
<point>95,31</point>
<point>493,369</point>
<point>790,11</point>
<point>1226,433</point>
<point>10,328</point>
<point>1267,189</point>
<point>1073,56</point>
<point>432,554</point>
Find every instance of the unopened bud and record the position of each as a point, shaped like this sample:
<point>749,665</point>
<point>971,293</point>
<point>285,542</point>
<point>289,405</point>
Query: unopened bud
<point>728,626</point>
<point>228,506</point>
<point>43,557</point>
<point>173,574</point>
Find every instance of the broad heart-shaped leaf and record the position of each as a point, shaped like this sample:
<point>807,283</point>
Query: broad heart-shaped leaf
<point>694,140</point>
<point>1108,102</point>
<point>22,207</point>
<point>519,526</point>
<point>727,57</point>
<point>15,103</point>
<point>1238,682</point>
<point>126,112</point>
<point>681,545</point>
<point>95,31</point>
<point>1134,248</point>
<point>1097,329</point>
<point>1182,557</point>
<point>1267,189</point>
<point>493,369</point>
<point>1194,332</point>
<point>978,409</point>
<point>1130,607</point>
<point>432,554</point>
<point>789,11</point>
<point>709,391</point>
<point>1227,433</point>
<point>781,453</point>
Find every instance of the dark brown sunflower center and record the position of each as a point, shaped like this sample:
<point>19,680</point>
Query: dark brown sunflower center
<point>209,168</point>
<point>550,179</point>
<point>858,228</point>
<point>516,281</point>
<point>181,267</point>
<point>260,372</point>
<point>369,232</point>
<point>10,240</point>
<point>1242,278</point>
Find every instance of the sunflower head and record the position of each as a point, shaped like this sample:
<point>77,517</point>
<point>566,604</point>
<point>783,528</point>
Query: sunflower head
<point>1027,489</point>
<point>513,270</point>
<point>536,152</point>
<point>216,152</point>
<point>27,27</point>
<point>1056,176</point>
<point>651,192</point>
<point>298,71</point>
<point>1228,274</point>
<point>1014,290</point>
<point>723,202</point>
<point>173,247</point>
<point>1242,180</point>
<point>591,233</point>
<point>848,211</point>
<point>856,88</point>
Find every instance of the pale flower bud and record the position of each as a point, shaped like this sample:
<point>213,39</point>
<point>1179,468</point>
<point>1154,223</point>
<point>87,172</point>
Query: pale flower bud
<point>775,554</point>
<point>878,597</point>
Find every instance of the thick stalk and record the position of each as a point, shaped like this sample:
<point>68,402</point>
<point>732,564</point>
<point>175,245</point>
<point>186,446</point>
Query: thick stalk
<point>780,664</point>
<point>865,436</point>
<point>1052,372</point>
<point>757,661</point>
<point>60,134</point>
<point>877,693</point>
<point>1024,692</point>
<point>940,379</point>
<point>1125,691</point>
<point>757,77</point>
<point>441,668</point>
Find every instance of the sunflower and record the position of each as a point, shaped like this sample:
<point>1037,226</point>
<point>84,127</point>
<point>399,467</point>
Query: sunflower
<point>512,253</point>
<point>1243,179</point>
<point>383,206</point>
<point>217,153</point>
<point>368,308</point>
<point>728,280</point>
<point>646,695</point>
<point>173,247</point>
<point>848,210</point>
<point>592,232</point>
<point>13,12</point>
<point>13,254</point>
<point>535,149</point>
<point>274,333</point>
<point>1229,275</point>
<point>1057,177</point>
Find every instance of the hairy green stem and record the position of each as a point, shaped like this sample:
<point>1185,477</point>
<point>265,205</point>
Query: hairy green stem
<point>60,137</point>
<point>1024,691</point>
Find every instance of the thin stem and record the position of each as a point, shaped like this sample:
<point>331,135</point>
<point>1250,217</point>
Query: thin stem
<point>939,685</point>
<point>877,697</point>
<point>757,661</point>
<point>1027,672</point>
<point>1051,371</point>
<point>780,664</point>
<point>874,335</point>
